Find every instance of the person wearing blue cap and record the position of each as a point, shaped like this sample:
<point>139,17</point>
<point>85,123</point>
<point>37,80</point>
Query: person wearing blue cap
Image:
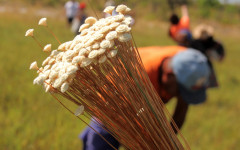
<point>174,72</point>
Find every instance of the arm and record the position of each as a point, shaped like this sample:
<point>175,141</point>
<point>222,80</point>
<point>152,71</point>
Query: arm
<point>184,10</point>
<point>180,113</point>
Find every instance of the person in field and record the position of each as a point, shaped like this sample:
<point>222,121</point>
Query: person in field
<point>79,18</point>
<point>175,72</point>
<point>205,42</point>
<point>179,29</point>
<point>71,8</point>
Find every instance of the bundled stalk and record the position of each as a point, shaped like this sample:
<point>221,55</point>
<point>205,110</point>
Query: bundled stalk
<point>101,71</point>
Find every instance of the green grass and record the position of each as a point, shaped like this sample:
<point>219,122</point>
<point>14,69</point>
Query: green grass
<point>32,119</point>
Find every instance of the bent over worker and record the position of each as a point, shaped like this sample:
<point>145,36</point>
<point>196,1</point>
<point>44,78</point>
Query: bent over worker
<point>174,72</point>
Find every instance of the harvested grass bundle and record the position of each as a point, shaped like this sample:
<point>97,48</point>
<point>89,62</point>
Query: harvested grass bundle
<point>101,71</point>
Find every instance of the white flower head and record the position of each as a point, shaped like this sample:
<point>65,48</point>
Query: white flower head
<point>29,32</point>
<point>77,59</point>
<point>90,20</point>
<point>48,88</point>
<point>112,53</point>
<point>123,28</point>
<point>118,18</point>
<point>105,44</point>
<point>101,51</point>
<point>45,62</point>
<point>86,62</point>
<point>64,87</point>
<point>98,36</point>
<point>96,45</point>
<point>84,32</point>
<point>33,66</point>
<point>114,25</point>
<point>53,75</point>
<point>54,53</point>
<point>72,69</point>
<point>111,35</point>
<point>84,26</point>
<point>78,46</point>
<point>93,54</point>
<point>57,83</point>
<point>79,111</point>
<point>42,22</point>
<point>102,59</point>
<point>109,9</point>
<point>122,9</point>
<point>124,37</point>
<point>62,47</point>
<point>52,61</point>
<point>104,29</point>
<point>47,48</point>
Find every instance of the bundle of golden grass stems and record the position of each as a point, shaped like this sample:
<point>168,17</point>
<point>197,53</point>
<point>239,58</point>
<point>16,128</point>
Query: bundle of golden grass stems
<point>101,71</point>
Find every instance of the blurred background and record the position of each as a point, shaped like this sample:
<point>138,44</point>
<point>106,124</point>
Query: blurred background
<point>32,119</point>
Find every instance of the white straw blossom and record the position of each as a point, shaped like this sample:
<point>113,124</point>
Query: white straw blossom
<point>90,20</point>
<point>42,22</point>
<point>109,9</point>
<point>29,32</point>
<point>47,48</point>
<point>33,66</point>
<point>79,111</point>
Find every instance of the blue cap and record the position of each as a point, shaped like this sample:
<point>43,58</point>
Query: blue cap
<point>192,72</point>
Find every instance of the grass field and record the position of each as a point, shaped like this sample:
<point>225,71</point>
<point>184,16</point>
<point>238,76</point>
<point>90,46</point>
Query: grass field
<point>32,119</point>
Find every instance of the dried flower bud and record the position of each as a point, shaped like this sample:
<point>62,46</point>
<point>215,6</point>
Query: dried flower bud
<point>119,18</point>
<point>78,46</point>
<point>62,47</point>
<point>104,29</point>
<point>57,83</point>
<point>34,66</point>
<point>96,45</point>
<point>102,59</point>
<point>54,53</point>
<point>101,51</point>
<point>82,52</point>
<point>84,32</point>
<point>72,69</point>
<point>53,75</point>
<point>112,53</point>
<point>68,45</point>
<point>114,25</point>
<point>77,59</point>
<point>64,87</point>
<point>84,26</point>
<point>29,32</point>
<point>47,48</point>
<point>90,42</point>
<point>79,111</point>
<point>122,9</point>
<point>112,44</point>
<point>42,22</point>
<point>86,62</point>
<point>109,9</point>
<point>40,70</point>
<point>111,35</point>
<point>123,28</point>
<point>93,54</point>
<point>48,88</point>
<point>47,72</point>
<point>124,37</point>
<point>51,61</point>
<point>105,44</point>
<point>90,20</point>
<point>98,36</point>
<point>46,67</point>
